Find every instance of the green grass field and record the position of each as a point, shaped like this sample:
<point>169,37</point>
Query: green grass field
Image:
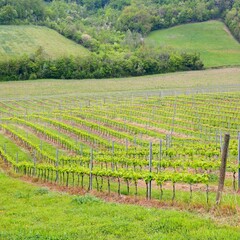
<point>29,212</point>
<point>211,39</point>
<point>208,79</point>
<point>18,40</point>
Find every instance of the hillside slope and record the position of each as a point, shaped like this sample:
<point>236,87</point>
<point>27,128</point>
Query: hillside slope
<point>18,40</point>
<point>42,214</point>
<point>182,81</point>
<point>211,39</point>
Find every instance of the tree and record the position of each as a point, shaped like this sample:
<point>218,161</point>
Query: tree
<point>136,18</point>
<point>8,14</point>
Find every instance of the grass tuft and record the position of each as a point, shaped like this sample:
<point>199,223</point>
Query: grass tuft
<point>87,199</point>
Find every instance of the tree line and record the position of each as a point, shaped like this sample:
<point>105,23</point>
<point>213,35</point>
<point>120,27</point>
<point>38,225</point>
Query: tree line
<point>99,66</point>
<point>117,28</point>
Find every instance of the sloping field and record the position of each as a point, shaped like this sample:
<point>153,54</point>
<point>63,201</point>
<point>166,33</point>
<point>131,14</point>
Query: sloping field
<point>211,39</point>
<point>167,148</point>
<point>211,79</point>
<point>29,212</point>
<point>19,40</point>
<point>103,144</point>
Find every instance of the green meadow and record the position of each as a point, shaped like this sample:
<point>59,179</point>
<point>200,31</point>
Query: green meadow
<point>211,39</point>
<point>29,212</point>
<point>208,79</point>
<point>16,41</point>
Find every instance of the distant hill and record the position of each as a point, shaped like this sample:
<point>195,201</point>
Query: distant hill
<point>211,39</point>
<point>18,40</point>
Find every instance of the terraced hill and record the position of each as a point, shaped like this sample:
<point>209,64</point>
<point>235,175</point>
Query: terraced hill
<point>18,40</point>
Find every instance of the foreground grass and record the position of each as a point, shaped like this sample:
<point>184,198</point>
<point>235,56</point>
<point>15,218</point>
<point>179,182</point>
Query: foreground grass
<point>211,39</point>
<point>16,38</point>
<point>29,212</point>
<point>208,79</point>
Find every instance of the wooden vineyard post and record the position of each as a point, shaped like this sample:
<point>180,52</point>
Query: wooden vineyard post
<point>149,193</point>
<point>5,151</point>
<point>41,145</point>
<point>221,145</point>
<point>90,167</point>
<point>34,162</point>
<point>113,167</point>
<point>81,149</point>
<point>160,155</point>
<point>216,138</point>
<point>173,122</point>
<point>126,145</point>
<point>223,168</point>
<point>238,161</point>
<point>17,169</point>
<point>56,166</point>
<point>167,142</point>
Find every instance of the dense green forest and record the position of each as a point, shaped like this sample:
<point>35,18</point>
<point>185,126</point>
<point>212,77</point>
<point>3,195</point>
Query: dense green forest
<point>114,31</point>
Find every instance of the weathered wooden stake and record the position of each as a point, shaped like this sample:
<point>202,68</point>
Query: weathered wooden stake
<point>126,145</point>
<point>149,195</point>
<point>221,146</point>
<point>34,162</point>
<point>113,147</point>
<point>238,161</point>
<point>160,155</point>
<point>90,167</point>
<point>56,164</point>
<point>223,168</point>
<point>5,151</point>
<point>81,149</point>
<point>173,121</point>
<point>113,155</point>
<point>216,138</point>
<point>166,141</point>
<point>4,148</point>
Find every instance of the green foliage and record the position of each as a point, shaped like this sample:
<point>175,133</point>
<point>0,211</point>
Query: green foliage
<point>137,18</point>
<point>41,191</point>
<point>232,19</point>
<point>114,29</point>
<point>87,199</point>
<point>145,61</point>
<point>8,14</point>
<point>14,11</point>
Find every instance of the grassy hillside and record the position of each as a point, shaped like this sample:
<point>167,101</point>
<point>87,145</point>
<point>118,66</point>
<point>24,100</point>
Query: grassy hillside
<point>19,40</point>
<point>211,39</point>
<point>29,212</point>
